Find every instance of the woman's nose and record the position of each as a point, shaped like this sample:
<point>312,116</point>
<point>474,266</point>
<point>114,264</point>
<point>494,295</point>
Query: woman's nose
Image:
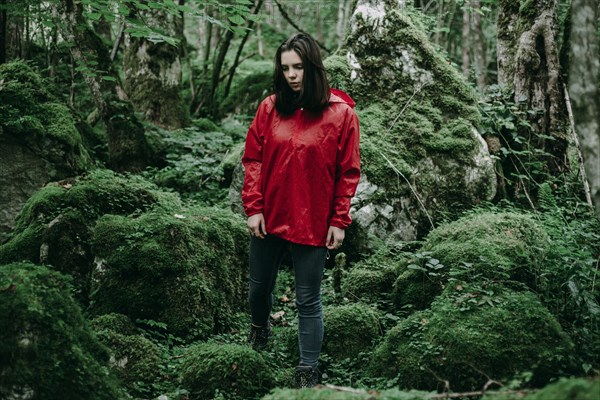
<point>291,73</point>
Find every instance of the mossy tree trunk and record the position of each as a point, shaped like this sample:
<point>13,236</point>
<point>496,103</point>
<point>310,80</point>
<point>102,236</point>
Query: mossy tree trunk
<point>528,64</point>
<point>127,146</point>
<point>584,70</point>
<point>153,72</point>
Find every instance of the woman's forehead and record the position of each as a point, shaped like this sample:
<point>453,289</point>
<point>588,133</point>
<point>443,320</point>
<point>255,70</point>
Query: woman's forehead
<point>290,57</point>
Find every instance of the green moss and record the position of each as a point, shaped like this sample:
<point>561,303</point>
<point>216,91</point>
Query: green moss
<point>55,224</point>
<point>412,106</point>
<point>30,114</point>
<point>482,245</point>
<point>371,279</point>
<point>233,370</point>
<point>205,125</point>
<point>564,388</point>
<point>115,322</point>
<point>470,333</point>
<point>135,359</point>
<point>45,346</point>
<point>197,256</point>
<point>332,394</point>
<point>349,330</point>
<point>338,72</point>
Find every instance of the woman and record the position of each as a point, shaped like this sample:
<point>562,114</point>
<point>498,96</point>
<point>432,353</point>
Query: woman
<point>302,167</point>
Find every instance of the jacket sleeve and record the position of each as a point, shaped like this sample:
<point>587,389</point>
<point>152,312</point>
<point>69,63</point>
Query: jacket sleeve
<point>347,171</point>
<point>252,199</point>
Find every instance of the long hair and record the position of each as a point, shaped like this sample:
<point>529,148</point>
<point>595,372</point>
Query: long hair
<point>314,94</point>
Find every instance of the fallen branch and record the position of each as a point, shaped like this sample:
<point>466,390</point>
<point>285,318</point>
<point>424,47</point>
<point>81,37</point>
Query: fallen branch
<point>586,185</point>
<point>374,395</point>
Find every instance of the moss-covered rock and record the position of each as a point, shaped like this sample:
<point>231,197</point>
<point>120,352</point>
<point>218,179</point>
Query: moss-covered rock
<point>473,333</point>
<point>371,279</point>
<point>46,348</point>
<point>496,246</point>
<point>114,322</point>
<point>55,225</point>
<point>135,359</point>
<point>421,155</point>
<point>349,330</point>
<point>186,270</point>
<point>235,371</point>
<point>564,388</point>
<point>39,139</point>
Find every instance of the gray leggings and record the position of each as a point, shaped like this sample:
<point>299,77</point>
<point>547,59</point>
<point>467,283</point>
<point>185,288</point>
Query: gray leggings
<point>265,258</point>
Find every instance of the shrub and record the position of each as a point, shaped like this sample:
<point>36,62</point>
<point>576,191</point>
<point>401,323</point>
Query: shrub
<point>470,333</point>
<point>234,371</point>
<point>46,347</point>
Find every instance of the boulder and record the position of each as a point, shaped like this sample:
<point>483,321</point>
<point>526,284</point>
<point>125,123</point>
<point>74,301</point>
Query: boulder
<point>39,140</point>
<point>187,270</point>
<point>233,370</point>
<point>46,347</point>
<point>55,225</point>
<point>470,334</point>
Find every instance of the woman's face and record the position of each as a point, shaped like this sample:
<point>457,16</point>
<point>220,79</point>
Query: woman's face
<point>293,70</point>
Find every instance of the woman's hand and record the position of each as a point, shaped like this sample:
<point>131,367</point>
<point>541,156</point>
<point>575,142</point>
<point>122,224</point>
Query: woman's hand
<point>256,226</point>
<point>335,237</point>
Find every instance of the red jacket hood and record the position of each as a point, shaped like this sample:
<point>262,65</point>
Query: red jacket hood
<point>339,96</point>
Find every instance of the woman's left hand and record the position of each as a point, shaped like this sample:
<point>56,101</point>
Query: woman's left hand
<point>335,237</point>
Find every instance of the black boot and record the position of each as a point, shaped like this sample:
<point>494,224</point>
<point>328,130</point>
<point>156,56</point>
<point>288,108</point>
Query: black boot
<point>306,376</point>
<point>259,336</point>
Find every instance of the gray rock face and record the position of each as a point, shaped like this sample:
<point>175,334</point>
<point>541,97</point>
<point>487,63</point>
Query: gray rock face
<point>23,171</point>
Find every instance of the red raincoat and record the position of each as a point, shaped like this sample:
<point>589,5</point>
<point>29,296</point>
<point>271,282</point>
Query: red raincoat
<point>303,169</point>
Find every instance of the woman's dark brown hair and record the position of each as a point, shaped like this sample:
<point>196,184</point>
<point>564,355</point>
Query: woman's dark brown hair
<point>314,94</point>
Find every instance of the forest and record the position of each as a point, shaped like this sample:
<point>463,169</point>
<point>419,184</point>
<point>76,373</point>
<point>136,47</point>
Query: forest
<point>471,267</point>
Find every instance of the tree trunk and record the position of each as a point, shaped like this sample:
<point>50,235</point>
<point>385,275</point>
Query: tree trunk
<point>339,28</point>
<point>528,64</point>
<point>259,38</point>
<point>479,53</point>
<point>466,25</point>
<point>584,70</point>
<point>153,72</point>
<point>127,146</point>
<point>2,32</point>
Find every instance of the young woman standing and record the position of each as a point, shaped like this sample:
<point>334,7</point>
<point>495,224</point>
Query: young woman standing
<point>302,166</point>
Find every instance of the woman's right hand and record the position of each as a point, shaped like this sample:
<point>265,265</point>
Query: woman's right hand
<point>256,226</point>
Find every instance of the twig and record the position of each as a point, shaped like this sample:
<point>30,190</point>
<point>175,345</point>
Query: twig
<point>118,41</point>
<point>586,185</point>
<point>397,171</point>
<point>595,273</point>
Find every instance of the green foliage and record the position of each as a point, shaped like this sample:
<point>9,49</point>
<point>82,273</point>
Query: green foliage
<point>45,345</point>
<point>349,330</point>
<point>198,257</point>
<point>194,164</point>
<point>229,370</point>
<point>471,333</point>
